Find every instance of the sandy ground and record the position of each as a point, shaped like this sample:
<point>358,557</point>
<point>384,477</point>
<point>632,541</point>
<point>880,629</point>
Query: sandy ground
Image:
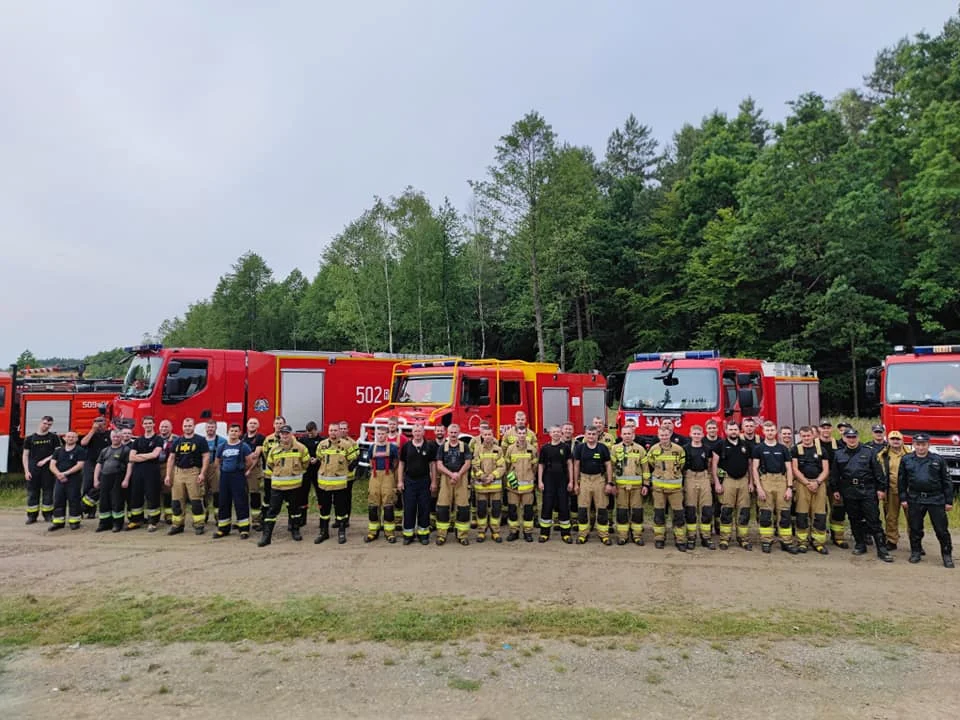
<point>574,678</point>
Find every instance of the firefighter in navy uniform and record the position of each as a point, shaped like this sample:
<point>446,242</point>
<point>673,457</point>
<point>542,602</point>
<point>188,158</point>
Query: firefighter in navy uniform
<point>925,488</point>
<point>698,490</point>
<point>147,480</point>
<point>37,455</point>
<point>857,478</point>
<point>287,461</point>
<point>254,440</point>
<point>67,468</point>
<point>96,439</point>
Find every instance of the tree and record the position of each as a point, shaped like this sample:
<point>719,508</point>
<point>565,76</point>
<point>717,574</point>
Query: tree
<point>26,359</point>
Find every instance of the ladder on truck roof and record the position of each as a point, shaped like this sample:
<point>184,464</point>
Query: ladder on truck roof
<point>788,370</point>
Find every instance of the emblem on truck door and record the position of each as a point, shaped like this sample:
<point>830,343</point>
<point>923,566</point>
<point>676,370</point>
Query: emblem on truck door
<point>261,405</point>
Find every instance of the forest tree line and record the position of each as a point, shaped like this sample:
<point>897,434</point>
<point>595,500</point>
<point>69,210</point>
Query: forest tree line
<point>824,239</point>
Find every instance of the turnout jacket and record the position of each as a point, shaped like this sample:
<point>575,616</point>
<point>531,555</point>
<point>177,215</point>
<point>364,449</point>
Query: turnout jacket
<point>925,480</point>
<point>856,472</point>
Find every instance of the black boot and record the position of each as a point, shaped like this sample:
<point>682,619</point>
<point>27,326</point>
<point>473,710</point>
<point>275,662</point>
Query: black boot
<point>267,534</point>
<point>882,551</point>
<point>324,533</point>
<point>948,560</point>
<point>914,557</point>
<point>342,533</point>
<point>295,531</point>
<point>860,549</point>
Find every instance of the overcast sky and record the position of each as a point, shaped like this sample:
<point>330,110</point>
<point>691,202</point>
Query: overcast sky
<point>145,146</point>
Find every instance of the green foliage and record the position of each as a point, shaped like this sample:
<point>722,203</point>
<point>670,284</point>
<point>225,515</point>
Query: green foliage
<point>826,239</point>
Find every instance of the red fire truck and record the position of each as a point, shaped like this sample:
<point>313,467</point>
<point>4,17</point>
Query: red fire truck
<point>918,389</point>
<point>691,386</point>
<point>230,386</point>
<point>468,392</point>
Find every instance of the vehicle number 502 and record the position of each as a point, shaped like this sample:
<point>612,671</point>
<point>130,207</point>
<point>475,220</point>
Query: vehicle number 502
<point>369,394</point>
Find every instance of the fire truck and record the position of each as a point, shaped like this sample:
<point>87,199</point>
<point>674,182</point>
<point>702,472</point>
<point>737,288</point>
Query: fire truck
<point>231,386</point>
<point>63,393</point>
<point>468,392</point>
<point>918,389</point>
<point>690,387</point>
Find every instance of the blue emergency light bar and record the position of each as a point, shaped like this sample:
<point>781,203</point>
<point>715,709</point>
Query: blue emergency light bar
<point>152,347</point>
<point>678,355</point>
<point>445,363</point>
<point>928,349</point>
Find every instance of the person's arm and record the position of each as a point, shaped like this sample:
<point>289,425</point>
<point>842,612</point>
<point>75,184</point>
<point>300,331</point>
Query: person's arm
<point>608,471</point>
<point>714,471</point>
<point>126,476</point>
<point>204,465</point>
<point>26,462</point>
<point>78,467</point>
<point>96,475</point>
<point>401,468</point>
<point>947,484</point>
<point>883,482</point>
<point>788,466</point>
<point>168,480</point>
<point>85,440</point>
<point>903,481</point>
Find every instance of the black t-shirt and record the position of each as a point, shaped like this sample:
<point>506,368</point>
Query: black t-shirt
<point>713,445</point>
<point>311,444</point>
<point>189,452</point>
<point>773,458</point>
<point>453,456</point>
<point>698,458</point>
<point>255,441</point>
<point>735,458</point>
<point>416,460</point>
<point>114,460</point>
<point>593,460</point>
<point>553,459</point>
<point>98,441</point>
<point>145,446</point>
<point>65,459</point>
<point>808,460</point>
<point>40,447</point>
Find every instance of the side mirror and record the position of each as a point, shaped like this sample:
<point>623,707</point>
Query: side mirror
<point>872,386</point>
<point>745,398</point>
<point>170,387</point>
<point>173,367</point>
<point>743,380</point>
<point>670,381</point>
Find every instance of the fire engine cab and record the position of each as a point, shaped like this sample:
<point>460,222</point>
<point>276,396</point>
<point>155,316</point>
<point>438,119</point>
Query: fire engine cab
<point>918,389</point>
<point>690,387</point>
<point>468,392</point>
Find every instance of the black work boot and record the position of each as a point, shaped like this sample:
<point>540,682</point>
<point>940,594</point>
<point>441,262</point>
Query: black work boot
<point>882,551</point>
<point>324,533</point>
<point>948,560</point>
<point>914,557</point>
<point>342,532</point>
<point>860,548</point>
<point>267,535</point>
<point>295,531</point>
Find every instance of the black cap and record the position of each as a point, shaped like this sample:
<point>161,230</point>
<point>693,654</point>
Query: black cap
<point>850,432</point>
<point>843,424</point>
<point>825,422</point>
<point>286,429</point>
<point>921,438</point>
<point>878,428</point>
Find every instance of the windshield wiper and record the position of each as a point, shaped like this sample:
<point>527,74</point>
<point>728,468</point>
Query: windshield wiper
<point>920,402</point>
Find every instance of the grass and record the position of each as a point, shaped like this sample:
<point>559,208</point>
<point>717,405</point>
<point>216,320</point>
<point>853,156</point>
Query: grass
<point>43,621</point>
<point>459,683</point>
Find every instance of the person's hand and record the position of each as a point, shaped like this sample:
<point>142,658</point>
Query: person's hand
<point>400,485</point>
<point>125,484</point>
<point>836,497</point>
<point>540,485</point>
<point>200,479</point>
<point>166,481</point>
<point>761,494</point>
<point>644,490</point>
<point>96,484</point>
<point>788,493</point>
<point>28,475</point>
<point>433,487</point>
<point>812,485</point>
<point>750,488</point>
<point>881,495</point>
<point>570,487</point>
<point>718,488</point>
<point>948,507</point>
<point>576,488</point>
<point>904,505</point>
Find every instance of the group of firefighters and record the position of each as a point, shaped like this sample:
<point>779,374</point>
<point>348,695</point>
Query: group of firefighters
<point>803,489</point>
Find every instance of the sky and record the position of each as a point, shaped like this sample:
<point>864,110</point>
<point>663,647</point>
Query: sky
<point>145,146</point>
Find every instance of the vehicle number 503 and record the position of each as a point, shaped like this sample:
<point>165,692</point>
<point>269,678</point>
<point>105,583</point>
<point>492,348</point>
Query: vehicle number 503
<point>369,394</point>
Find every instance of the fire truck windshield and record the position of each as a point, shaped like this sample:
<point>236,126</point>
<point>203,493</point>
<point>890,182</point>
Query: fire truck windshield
<point>141,376</point>
<point>923,383</point>
<point>423,389</point>
<point>696,389</point>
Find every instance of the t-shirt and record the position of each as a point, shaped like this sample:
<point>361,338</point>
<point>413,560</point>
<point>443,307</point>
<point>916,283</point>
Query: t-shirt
<point>713,445</point>
<point>698,459</point>
<point>213,444</point>
<point>233,458</point>
<point>735,458</point>
<point>189,451</point>
<point>98,441</point>
<point>113,460</point>
<point>167,447</point>
<point>593,460</point>
<point>255,441</point>
<point>311,444</point>
<point>773,458</point>
<point>416,460</point>
<point>383,457</point>
<point>144,446</point>
<point>65,459</point>
<point>454,456</point>
<point>809,460</point>
<point>40,446</point>
<point>553,459</point>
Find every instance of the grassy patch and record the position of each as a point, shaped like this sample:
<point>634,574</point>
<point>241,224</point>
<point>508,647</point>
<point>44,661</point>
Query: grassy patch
<point>459,683</point>
<point>31,620</point>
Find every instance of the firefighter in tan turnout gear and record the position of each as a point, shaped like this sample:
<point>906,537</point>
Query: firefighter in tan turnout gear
<point>520,479</point>
<point>631,471</point>
<point>665,461</point>
<point>488,469</point>
<point>593,481</point>
<point>287,461</point>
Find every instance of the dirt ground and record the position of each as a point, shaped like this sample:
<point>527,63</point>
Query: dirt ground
<point>595,678</point>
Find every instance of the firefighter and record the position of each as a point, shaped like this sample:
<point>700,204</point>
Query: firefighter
<point>110,477</point>
<point>311,441</point>
<point>555,481</point>
<point>603,435</point>
<point>211,482</point>
<point>857,478</point>
<point>786,437</point>
<point>890,457</point>
<point>733,484</point>
<point>287,461</point>
<point>879,440</point>
<point>332,479</point>
<point>67,468</point>
<point>416,474</point>
<point>773,479</point>
<point>268,442</point>
<point>453,468</point>
<point>186,468</point>
<point>811,468</point>
<point>382,490</point>
<point>567,433</point>
<point>593,481</point>
<point>714,442</point>
<point>395,436</point>
<point>510,436</point>
<point>925,488</point>
<point>838,513</point>
<point>166,434</point>
<point>146,481</point>
<point>37,454</point>
<point>96,439</point>
<point>254,440</point>
<point>488,469</point>
<point>440,434</point>
<point>521,462</point>
<point>665,461</point>
<point>698,490</point>
<point>632,474</point>
<point>749,435</point>
<point>233,460</point>
<point>344,433</point>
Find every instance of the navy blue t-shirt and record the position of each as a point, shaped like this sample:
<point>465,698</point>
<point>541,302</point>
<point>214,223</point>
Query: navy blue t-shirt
<point>233,458</point>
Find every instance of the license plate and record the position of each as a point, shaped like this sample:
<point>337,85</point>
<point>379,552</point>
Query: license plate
<point>954,470</point>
